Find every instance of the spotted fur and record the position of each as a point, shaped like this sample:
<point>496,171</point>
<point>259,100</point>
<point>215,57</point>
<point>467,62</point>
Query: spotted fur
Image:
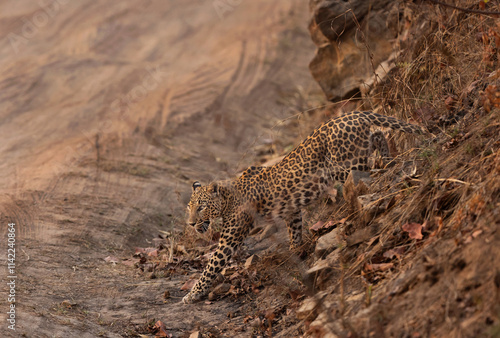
<point>326,156</point>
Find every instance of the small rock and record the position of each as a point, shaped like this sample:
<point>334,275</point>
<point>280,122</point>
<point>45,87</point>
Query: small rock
<point>336,22</point>
<point>327,243</point>
<point>219,290</point>
<point>251,261</point>
<point>188,285</point>
<point>195,334</point>
<point>222,289</point>
<point>212,296</point>
<point>256,322</point>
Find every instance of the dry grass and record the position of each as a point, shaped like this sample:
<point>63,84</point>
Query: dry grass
<point>448,183</point>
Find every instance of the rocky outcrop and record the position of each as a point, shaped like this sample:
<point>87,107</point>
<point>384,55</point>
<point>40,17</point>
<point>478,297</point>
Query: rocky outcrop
<point>354,40</point>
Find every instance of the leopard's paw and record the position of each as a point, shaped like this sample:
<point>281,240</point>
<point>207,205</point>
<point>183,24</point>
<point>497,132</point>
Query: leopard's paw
<point>191,298</point>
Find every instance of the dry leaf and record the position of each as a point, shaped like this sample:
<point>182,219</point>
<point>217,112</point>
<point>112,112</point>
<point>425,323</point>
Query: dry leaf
<point>317,226</point>
<point>414,230</point>
<point>161,330</point>
<point>378,267</point>
<point>111,259</point>
<point>153,253</point>
<point>146,251</point>
<point>450,102</point>
<point>396,252</point>
<point>270,315</point>
<point>323,226</point>
<point>477,233</point>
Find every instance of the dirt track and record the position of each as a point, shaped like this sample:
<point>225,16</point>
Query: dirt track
<point>109,111</point>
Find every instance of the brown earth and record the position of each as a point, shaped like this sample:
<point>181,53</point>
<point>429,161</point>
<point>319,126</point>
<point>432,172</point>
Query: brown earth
<point>110,111</point>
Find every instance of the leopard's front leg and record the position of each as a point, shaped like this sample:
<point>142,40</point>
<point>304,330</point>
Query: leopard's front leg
<point>234,232</point>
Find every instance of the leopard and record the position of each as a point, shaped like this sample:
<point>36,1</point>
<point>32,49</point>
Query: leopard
<point>281,191</point>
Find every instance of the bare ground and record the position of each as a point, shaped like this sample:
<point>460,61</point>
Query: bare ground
<point>109,111</point>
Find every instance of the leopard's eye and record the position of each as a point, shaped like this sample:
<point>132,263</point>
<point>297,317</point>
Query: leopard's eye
<point>200,208</point>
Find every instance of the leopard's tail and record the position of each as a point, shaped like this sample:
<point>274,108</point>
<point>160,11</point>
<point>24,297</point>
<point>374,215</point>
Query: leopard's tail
<point>389,122</point>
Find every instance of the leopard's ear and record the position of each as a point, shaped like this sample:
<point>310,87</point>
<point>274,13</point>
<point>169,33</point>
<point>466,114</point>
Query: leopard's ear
<point>214,189</point>
<point>196,186</point>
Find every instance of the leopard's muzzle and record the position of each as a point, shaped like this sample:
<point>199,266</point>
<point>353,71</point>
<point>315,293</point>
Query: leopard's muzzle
<point>201,227</point>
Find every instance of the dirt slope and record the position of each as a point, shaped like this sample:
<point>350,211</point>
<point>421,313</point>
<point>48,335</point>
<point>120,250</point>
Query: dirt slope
<point>109,111</point>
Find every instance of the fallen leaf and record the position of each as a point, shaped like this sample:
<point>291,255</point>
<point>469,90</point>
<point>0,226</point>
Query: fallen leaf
<point>323,226</point>
<point>378,267</point>
<point>317,226</point>
<point>295,294</point>
<point>153,253</point>
<point>270,315</point>
<point>161,330</point>
<point>251,261</point>
<point>477,233</point>
<point>68,304</point>
<point>414,230</point>
<point>450,102</point>
<point>111,259</point>
<point>397,252</point>
<point>189,284</point>
<point>145,251</point>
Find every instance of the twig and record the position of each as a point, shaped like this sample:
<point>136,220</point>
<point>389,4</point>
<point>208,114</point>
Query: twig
<point>451,180</point>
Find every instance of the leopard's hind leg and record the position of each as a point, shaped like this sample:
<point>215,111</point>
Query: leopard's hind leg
<point>379,142</point>
<point>294,226</point>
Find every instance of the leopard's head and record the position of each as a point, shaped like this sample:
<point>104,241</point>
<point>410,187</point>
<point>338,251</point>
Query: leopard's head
<point>203,206</point>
